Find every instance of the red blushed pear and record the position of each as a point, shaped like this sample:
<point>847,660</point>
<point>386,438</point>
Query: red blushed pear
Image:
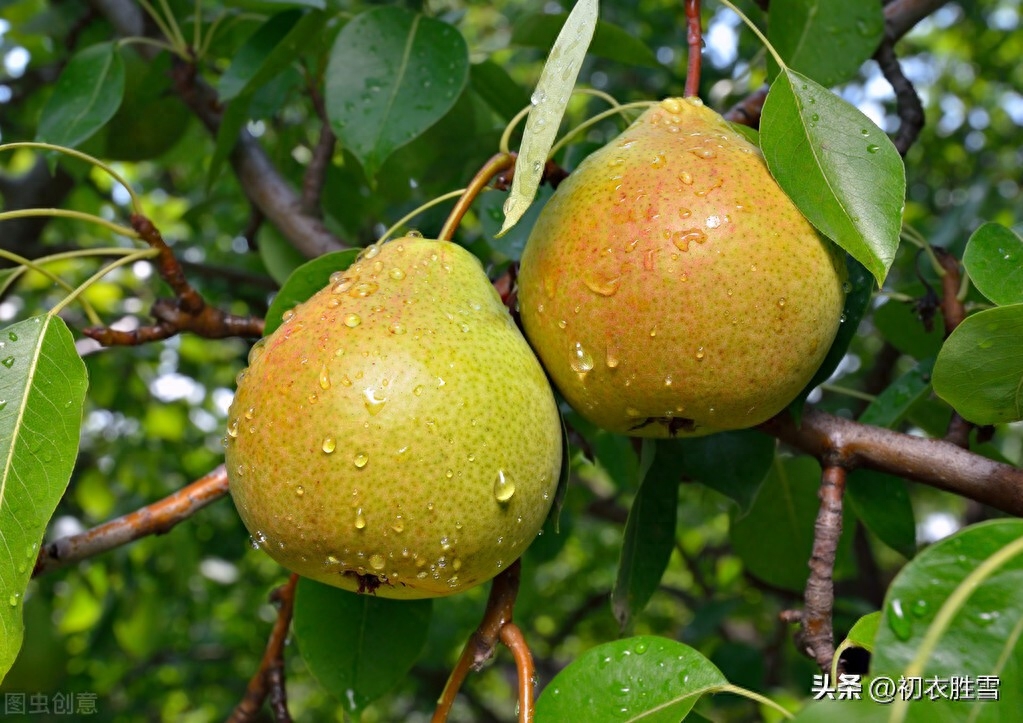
<point>396,435</point>
<point>671,288</point>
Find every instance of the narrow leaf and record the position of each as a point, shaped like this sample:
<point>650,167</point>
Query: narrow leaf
<point>645,678</point>
<point>87,94</point>
<point>609,40</point>
<point>840,169</point>
<point>649,530</point>
<point>305,281</point>
<point>994,260</point>
<point>813,36</point>
<point>392,75</point>
<point>891,405</point>
<point>881,502</point>
<point>262,55</point>
<point>549,102</point>
<point>864,631</point>
<point>42,390</point>
<point>979,370</point>
<point>860,287</point>
<point>358,646</point>
<point>733,463</point>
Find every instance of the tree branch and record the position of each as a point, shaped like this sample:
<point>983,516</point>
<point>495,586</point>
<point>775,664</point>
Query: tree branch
<point>481,644</point>
<point>934,462</point>
<point>155,519</point>
<point>188,311</point>
<point>817,634</point>
<point>269,678</point>
<point>264,185</point>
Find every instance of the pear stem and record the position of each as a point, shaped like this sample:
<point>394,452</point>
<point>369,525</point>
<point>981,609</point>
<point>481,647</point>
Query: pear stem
<point>496,626</point>
<point>694,38</point>
<point>497,164</point>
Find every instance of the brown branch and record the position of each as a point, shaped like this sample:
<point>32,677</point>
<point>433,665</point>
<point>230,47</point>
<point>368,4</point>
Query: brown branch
<point>497,164</point>
<point>907,102</point>
<point>269,678</point>
<point>953,311</point>
<point>188,311</point>
<point>694,38</point>
<point>316,171</point>
<point>482,643</point>
<point>747,111</point>
<point>934,462</point>
<point>262,182</point>
<point>816,637</point>
<point>515,641</point>
<point>155,519</point>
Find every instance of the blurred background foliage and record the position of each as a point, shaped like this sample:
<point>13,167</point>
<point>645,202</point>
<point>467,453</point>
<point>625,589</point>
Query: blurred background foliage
<point>171,627</point>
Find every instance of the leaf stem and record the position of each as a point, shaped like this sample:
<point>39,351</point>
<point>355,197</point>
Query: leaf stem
<point>497,163</point>
<point>756,697</point>
<point>756,31</point>
<point>123,261</point>
<point>855,393</point>
<point>416,211</point>
<point>135,204</point>
<point>618,109</point>
<point>36,265</point>
<point>156,43</point>
<point>65,213</point>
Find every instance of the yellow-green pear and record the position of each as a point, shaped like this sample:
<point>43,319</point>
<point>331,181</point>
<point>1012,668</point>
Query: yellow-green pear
<point>395,434</point>
<point>670,287</point>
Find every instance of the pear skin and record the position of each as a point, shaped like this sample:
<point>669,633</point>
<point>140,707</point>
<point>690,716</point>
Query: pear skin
<point>396,434</point>
<point>671,288</point>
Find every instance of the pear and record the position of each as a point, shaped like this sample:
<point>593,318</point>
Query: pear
<point>670,287</point>
<point>396,434</point>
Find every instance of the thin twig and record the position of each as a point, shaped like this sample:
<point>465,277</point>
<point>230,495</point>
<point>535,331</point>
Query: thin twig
<point>188,311</point>
<point>694,38</point>
<point>953,311</point>
<point>155,519</point>
<point>817,634</point>
<point>482,643</point>
<point>907,102</point>
<point>497,164</point>
<point>268,680</point>
<point>515,641</point>
<point>316,171</point>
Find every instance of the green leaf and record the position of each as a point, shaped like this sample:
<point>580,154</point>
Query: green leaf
<point>358,646</point>
<point>549,100</point>
<point>881,502</point>
<point>272,48</point>
<point>42,392</point>
<point>864,631</point>
<point>994,261</point>
<point>305,281</point>
<point>891,405</point>
<point>901,326</point>
<point>774,539</point>
<point>492,82</point>
<point>956,610</point>
<point>647,678</point>
<point>609,40</point>
<point>278,254</point>
<point>839,168</point>
<point>814,38</point>
<point>649,530</point>
<point>733,463</point>
<point>87,94</point>
<point>979,370</point>
<point>392,74</point>
<point>860,288</point>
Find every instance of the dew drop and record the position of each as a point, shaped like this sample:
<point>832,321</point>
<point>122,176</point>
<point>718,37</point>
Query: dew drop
<point>374,403</point>
<point>602,287</point>
<point>360,459</point>
<point>684,213</point>
<point>504,487</point>
<point>611,356</point>
<point>324,377</point>
<point>873,148</point>
<point>682,239</point>
<point>329,444</point>
<point>300,490</point>
<point>288,315</point>
<point>897,620</point>
<point>13,599</point>
<point>376,562</point>
<point>920,608</point>
<point>12,336</point>
<point>353,320</point>
<point>686,178</point>
<point>362,290</point>
<point>658,161</point>
<point>397,329</point>
<point>781,302</point>
<point>360,520</point>
<point>232,428</point>
<point>562,324</point>
<point>580,359</point>
<point>713,221</point>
